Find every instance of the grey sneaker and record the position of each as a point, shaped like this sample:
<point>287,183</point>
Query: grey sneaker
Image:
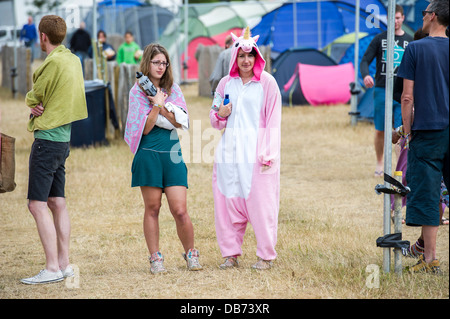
<point>156,263</point>
<point>44,277</point>
<point>192,259</point>
<point>230,262</point>
<point>262,264</point>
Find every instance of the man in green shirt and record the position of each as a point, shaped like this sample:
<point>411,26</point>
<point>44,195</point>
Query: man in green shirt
<point>56,100</point>
<point>129,52</point>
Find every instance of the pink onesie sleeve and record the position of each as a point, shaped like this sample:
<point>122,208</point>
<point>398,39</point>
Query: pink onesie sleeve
<point>269,140</point>
<point>217,121</point>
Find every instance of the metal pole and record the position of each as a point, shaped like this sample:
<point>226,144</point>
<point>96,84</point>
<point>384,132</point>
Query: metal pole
<point>388,125</point>
<point>294,19</point>
<point>137,29</point>
<point>14,68</point>
<point>155,25</point>
<point>398,225</point>
<point>186,38</point>
<point>114,16</point>
<point>319,25</point>
<point>354,98</point>
<point>94,37</point>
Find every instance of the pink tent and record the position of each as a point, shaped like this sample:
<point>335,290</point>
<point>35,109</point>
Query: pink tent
<point>218,39</point>
<point>192,61</point>
<point>324,84</point>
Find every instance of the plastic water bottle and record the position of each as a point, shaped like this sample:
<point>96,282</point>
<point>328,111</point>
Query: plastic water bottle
<point>227,99</point>
<point>146,84</point>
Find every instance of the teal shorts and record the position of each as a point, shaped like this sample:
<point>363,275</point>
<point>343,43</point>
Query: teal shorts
<point>158,169</point>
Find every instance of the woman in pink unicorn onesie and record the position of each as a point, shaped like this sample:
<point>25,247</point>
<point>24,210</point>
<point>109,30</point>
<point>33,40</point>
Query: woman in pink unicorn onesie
<point>246,173</point>
<point>158,165</point>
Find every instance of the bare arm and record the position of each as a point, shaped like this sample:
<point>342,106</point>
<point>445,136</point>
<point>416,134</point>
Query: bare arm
<point>151,120</point>
<point>170,116</point>
<point>159,99</point>
<point>407,105</point>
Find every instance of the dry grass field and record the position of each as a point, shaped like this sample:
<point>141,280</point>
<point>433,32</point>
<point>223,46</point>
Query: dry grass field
<point>329,220</point>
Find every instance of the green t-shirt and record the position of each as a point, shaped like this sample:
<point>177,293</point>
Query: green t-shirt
<point>57,134</point>
<point>126,52</point>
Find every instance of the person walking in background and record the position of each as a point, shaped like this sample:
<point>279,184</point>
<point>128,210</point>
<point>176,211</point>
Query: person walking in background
<point>80,43</point>
<point>56,100</point>
<point>377,49</point>
<point>425,73</point>
<point>129,52</point>
<point>29,36</point>
<point>246,172</point>
<point>107,49</point>
<point>222,65</point>
<point>158,165</point>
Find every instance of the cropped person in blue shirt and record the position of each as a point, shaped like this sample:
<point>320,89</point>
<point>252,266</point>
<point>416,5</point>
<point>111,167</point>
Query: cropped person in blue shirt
<point>425,114</point>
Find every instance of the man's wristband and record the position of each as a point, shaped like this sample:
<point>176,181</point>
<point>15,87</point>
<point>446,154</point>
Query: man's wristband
<point>160,106</point>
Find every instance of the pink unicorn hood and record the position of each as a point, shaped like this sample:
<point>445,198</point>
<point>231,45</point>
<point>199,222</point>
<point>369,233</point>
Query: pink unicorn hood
<point>247,43</point>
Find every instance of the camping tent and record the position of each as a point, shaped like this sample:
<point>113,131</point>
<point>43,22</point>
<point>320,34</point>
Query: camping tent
<point>323,85</point>
<point>336,49</point>
<point>318,23</point>
<point>283,69</point>
<point>342,50</point>
<point>365,98</point>
<point>214,21</point>
<point>365,106</point>
<point>192,49</point>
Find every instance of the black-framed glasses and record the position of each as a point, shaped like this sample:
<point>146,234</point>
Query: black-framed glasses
<point>424,12</point>
<point>159,63</point>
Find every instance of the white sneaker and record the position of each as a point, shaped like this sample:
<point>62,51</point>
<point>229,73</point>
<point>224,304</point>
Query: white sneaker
<point>68,272</point>
<point>44,277</point>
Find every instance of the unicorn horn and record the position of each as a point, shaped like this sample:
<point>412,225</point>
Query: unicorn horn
<point>247,33</point>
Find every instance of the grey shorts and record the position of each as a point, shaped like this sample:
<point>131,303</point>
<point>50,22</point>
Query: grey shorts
<point>47,175</point>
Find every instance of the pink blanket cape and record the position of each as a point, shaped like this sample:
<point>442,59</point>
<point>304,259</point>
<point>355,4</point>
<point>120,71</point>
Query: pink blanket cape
<point>138,108</point>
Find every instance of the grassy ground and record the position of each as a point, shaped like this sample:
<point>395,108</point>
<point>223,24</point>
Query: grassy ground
<point>329,220</point>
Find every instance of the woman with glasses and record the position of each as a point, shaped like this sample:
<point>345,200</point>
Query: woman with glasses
<point>158,165</point>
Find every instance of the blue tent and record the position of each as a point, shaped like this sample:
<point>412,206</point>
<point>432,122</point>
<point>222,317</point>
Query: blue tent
<point>365,106</point>
<point>365,98</point>
<point>337,18</point>
<point>349,55</point>
<point>413,14</point>
<point>121,3</point>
